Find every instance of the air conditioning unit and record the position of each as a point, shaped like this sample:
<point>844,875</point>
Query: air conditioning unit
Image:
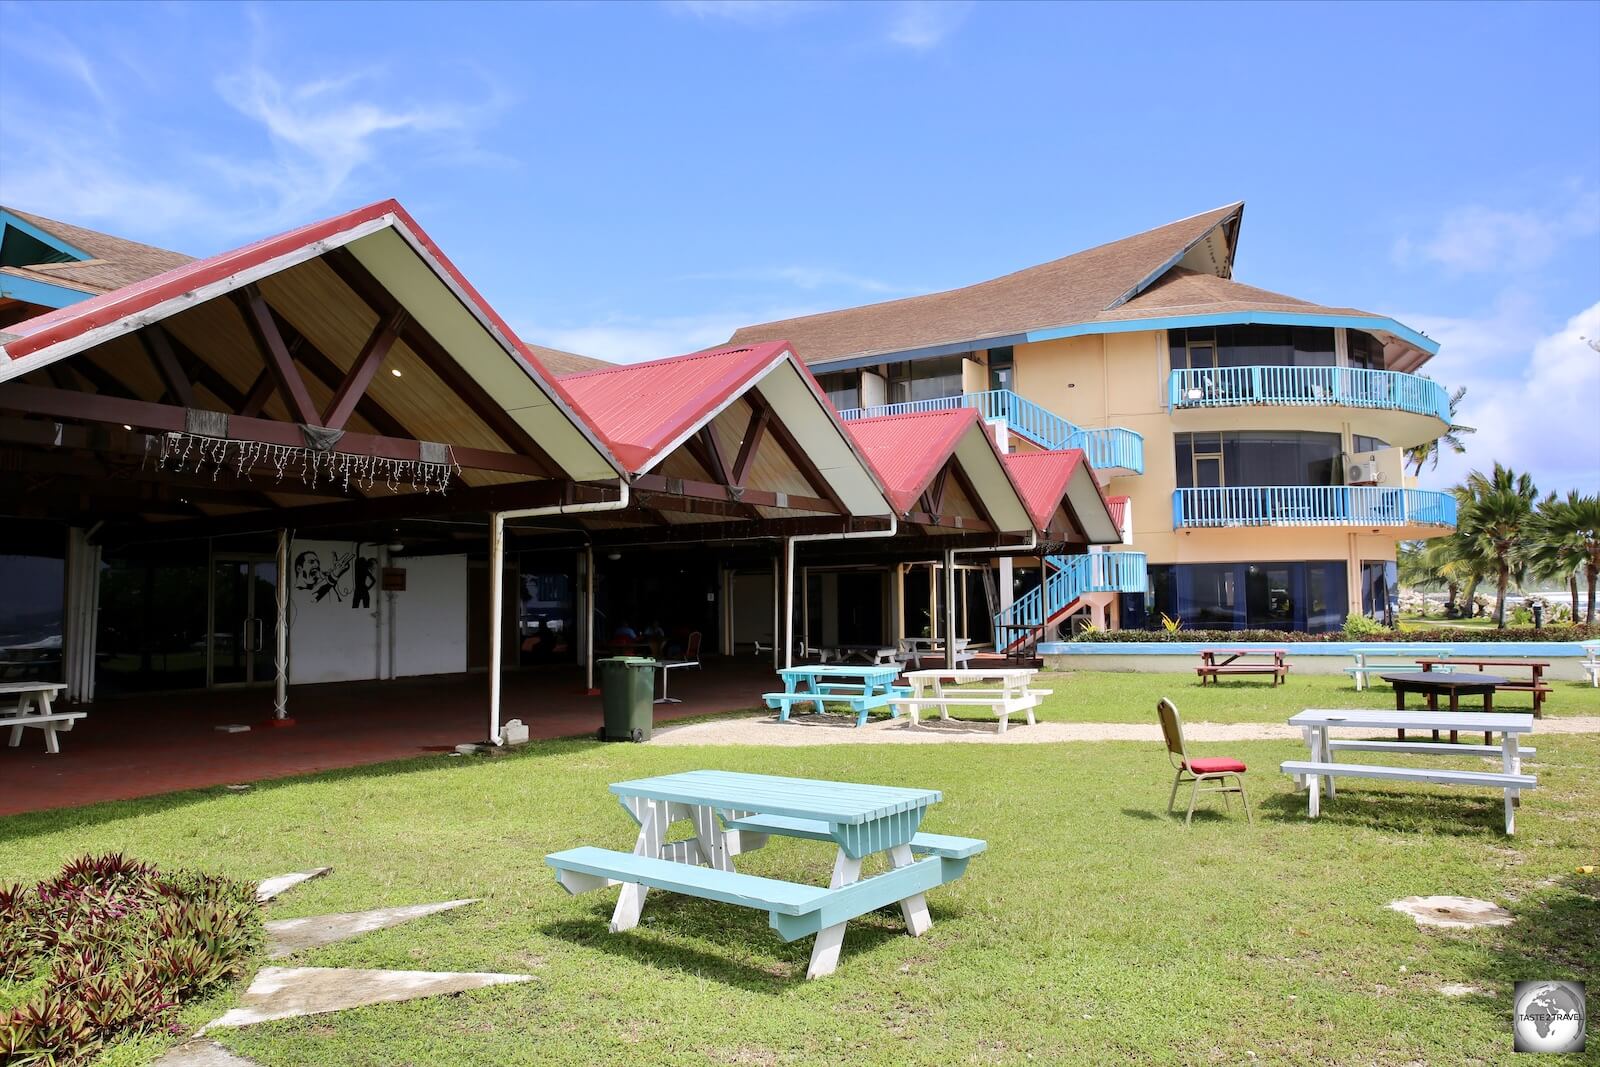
<point>1363,468</point>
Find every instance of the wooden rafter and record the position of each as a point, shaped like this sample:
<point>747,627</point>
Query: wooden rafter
<point>319,366</point>
<point>264,327</point>
<point>466,388</point>
<point>760,415</point>
<point>158,346</point>
<point>684,487</point>
<point>354,385</point>
<point>259,393</point>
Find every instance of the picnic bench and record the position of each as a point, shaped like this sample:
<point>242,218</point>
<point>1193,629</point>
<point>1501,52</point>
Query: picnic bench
<point>874,654</point>
<point>1242,661</point>
<point>912,649</point>
<point>1320,770</point>
<point>1535,683</point>
<point>863,688</point>
<point>1012,694</point>
<point>733,813</point>
<point>1591,662</point>
<point>1380,660</point>
<point>33,711</point>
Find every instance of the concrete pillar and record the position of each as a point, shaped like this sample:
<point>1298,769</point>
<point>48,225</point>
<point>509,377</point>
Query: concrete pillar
<point>497,562</point>
<point>280,691</point>
<point>588,621</point>
<point>950,631</point>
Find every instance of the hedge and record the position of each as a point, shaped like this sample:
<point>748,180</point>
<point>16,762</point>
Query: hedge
<point>1561,632</point>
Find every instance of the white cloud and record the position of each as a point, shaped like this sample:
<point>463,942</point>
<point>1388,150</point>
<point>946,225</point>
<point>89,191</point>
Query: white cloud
<point>1531,394</point>
<point>633,339</point>
<point>924,24</point>
<point>1484,239</point>
<point>294,150</point>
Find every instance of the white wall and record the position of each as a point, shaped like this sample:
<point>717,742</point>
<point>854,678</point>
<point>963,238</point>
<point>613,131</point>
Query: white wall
<point>752,608</point>
<point>334,636</point>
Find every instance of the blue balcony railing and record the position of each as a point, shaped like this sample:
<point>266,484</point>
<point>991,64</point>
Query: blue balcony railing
<point>1310,505</point>
<point>1106,448</point>
<point>1069,577</point>
<point>1308,387</point>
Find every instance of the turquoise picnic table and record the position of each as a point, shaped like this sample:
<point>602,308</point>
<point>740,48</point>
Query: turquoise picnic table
<point>733,813</point>
<point>863,687</point>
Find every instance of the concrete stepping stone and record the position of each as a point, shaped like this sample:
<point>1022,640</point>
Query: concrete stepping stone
<point>270,888</point>
<point>287,992</point>
<point>1453,913</point>
<point>203,1054</point>
<point>288,936</point>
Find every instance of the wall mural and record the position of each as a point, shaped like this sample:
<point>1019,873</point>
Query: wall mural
<point>337,580</point>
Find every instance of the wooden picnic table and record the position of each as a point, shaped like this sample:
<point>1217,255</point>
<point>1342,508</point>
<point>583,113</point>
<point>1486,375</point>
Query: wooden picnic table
<point>34,711</point>
<point>1321,769</point>
<point>1432,685</point>
<point>1242,661</point>
<point>1013,694</point>
<point>1535,685</point>
<point>733,813</point>
<point>865,688</point>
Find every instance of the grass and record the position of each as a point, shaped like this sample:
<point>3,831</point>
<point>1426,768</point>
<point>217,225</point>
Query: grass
<point>1095,930</point>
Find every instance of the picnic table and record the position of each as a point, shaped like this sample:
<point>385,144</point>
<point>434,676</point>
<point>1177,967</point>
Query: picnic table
<point>875,654</point>
<point>1378,659</point>
<point>1535,684</point>
<point>733,813</point>
<point>1243,661</point>
<point>912,649</point>
<point>1320,770</point>
<point>1591,662</point>
<point>1012,694</point>
<point>864,688</point>
<point>1432,685</point>
<point>33,711</point>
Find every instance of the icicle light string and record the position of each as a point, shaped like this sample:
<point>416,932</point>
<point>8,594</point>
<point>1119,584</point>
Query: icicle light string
<point>180,451</point>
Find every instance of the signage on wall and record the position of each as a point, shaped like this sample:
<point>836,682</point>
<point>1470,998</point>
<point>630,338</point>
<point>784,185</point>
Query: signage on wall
<point>394,579</point>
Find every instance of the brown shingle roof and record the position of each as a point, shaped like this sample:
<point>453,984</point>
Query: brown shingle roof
<point>561,363</point>
<point>113,263</point>
<point>1074,289</point>
<point>1186,292</point>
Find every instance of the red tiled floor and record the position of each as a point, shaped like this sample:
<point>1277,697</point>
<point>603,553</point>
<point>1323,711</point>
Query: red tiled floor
<point>141,746</point>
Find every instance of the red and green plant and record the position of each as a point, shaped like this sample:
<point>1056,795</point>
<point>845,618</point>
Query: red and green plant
<point>111,947</point>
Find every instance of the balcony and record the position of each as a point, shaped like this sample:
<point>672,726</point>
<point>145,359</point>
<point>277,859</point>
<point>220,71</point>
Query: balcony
<point>1408,408</point>
<point>1311,505</point>
<point>1112,451</point>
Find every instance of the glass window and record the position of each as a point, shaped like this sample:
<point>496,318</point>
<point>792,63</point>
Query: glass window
<point>925,379</point>
<point>31,613</point>
<point>1326,600</point>
<point>547,617</point>
<point>1380,591</point>
<point>152,628</point>
<point>1232,596</point>
<point>1363,350</point>
<point>1257,457</point>
<point>1363,443</point>
<point>1001,369</point>
<point>843,389</point>
<point>1251,346</point>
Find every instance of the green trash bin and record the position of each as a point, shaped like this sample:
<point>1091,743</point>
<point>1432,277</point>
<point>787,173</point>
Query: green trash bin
<point>627,689</point>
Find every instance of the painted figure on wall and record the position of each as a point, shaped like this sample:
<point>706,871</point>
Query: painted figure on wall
<point>309,575</point>
<point>366,577</point>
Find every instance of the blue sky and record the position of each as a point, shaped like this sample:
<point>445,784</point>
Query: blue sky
<point>636,180</point>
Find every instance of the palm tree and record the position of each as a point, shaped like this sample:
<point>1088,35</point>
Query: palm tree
<point>1428,451</point>
<point>1567,533</point>
<point>1497,528</point>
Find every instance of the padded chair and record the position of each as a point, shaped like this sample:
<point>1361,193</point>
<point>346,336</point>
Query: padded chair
<point>1215,769</point>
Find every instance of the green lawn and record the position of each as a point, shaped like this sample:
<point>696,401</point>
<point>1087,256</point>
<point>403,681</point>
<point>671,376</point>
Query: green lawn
<point>1095,930</point>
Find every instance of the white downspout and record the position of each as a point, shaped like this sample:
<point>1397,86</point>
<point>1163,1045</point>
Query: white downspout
<point>788,582</point>
<point>497,552</point>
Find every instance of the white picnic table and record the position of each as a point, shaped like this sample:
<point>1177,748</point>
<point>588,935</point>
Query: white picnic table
<point>33,711</point>
<point>1372,661</point>
<point>912,649</point>
<point>1013,691</point>
<point>733,813</point>
<point>873,654</point>
<point>1318,772</point>
<point>1591,662</point>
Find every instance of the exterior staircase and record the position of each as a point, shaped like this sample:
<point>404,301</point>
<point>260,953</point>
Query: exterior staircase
<point>1071,583</point>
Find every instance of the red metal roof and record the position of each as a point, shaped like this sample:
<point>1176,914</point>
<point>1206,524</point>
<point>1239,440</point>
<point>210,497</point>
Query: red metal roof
<point>1118,506</point>
<point>908,450</point>
<point>1042,479</point>
<point>643,410</point>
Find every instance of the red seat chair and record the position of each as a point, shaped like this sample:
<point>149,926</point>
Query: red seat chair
<point>1217,769</point>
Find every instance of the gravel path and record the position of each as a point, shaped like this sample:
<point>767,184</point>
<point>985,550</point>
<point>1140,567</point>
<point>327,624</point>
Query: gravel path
<point>765,729</point>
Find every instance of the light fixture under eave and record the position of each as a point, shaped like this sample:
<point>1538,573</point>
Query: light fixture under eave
<point>613,555</point>
<point>395,371</point>
<point>395,546</point>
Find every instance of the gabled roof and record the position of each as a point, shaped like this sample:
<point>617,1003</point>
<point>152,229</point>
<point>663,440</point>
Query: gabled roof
<point>92,262</point>
<point>908,450</point>
<point>645,410</point>
<point>1049,480</point>
<point>401,256</point>
<point>1068,290</point>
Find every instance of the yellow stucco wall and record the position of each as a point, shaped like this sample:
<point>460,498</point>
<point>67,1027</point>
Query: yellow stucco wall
<point>1121,380</point>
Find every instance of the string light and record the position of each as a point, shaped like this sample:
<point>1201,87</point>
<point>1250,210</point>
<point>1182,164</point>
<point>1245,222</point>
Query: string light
<point>197,453</point>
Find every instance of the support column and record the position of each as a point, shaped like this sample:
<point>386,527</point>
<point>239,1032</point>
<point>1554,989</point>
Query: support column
<point>497,563</point>
<point>280,693</point>
<point>1005,579</point>
<point>588,628</point>
<point>788,602</point>
<point>949,608</point>
<point>897,603</point>
<point>777,611</point>
<point>80,630</point>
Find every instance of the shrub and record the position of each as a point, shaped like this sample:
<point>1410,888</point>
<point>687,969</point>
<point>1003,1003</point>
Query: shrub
<point>1443,635</point>
<point>115,946</point>
<point>1358,627</point>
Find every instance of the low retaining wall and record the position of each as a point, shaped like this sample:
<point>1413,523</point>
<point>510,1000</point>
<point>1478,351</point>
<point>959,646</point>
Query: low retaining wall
<point>1308,657</point>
